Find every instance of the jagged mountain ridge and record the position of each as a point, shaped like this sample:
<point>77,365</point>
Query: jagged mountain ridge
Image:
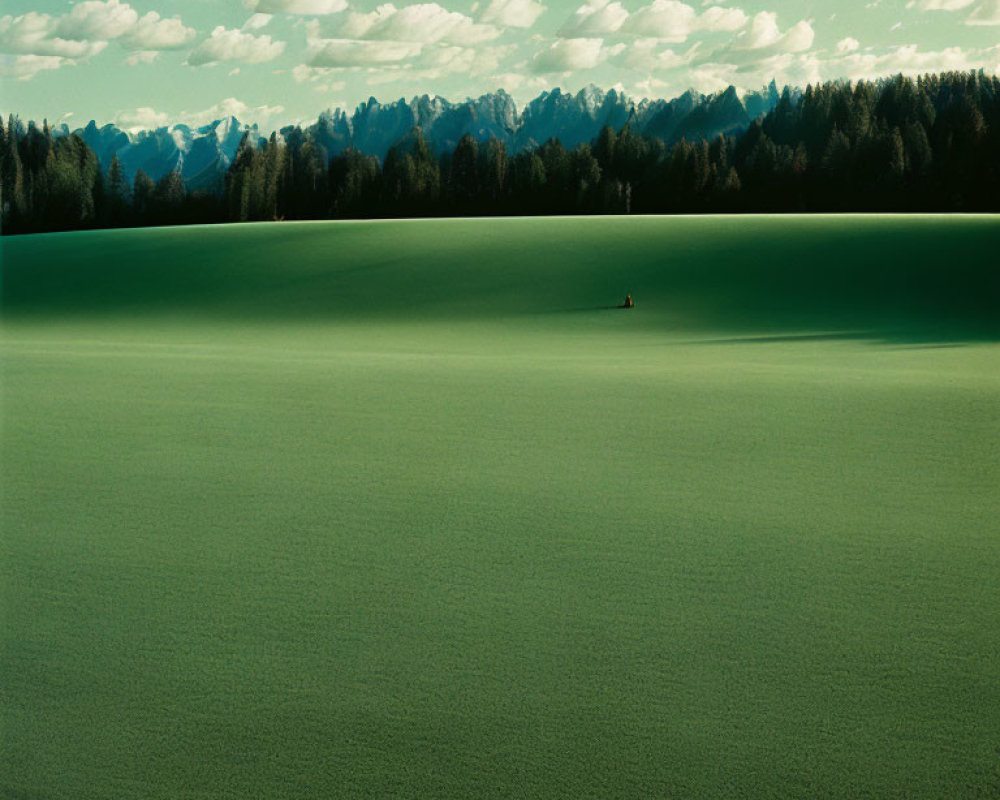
<point>203,154</point>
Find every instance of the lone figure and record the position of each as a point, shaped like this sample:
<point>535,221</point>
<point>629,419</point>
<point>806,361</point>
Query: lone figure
<point>629,302</point>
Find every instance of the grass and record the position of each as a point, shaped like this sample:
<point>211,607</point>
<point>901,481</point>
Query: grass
<point>402,510</point>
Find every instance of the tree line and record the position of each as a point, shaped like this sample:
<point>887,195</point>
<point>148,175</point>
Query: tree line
<point>898,144</point>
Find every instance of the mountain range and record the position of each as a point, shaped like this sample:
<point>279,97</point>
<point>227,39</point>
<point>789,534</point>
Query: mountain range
<point>203,154</point>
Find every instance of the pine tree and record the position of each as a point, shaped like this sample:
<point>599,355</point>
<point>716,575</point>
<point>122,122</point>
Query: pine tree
<point>273,168</point>
<point>142,196</point>
<point>168,199</point>
<point>14,201</point>
<point>238,180</point>
<point>495,171</point>
<point>117,194</point>
<point>463,174</point>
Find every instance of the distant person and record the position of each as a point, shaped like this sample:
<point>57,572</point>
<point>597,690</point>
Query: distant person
<point>629,302</point>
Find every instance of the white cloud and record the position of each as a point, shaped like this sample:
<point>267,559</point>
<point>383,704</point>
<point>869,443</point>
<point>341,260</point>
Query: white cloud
<point>32,34</point>
<point>437,61</point>
<point>94,20</point>
<point>908,60</point>
<point>848,45</point>
<point>673,21</point>
<point>711,77</point>
<point>141,119</point>
<point>986,14</point>
<point>463,60</point>
<point>666,20</point>
<point>512,13</point>
<point>943,5</point>
<point>359,53</point>
<point>794,69</point>
<point>646,55</point>
<point>718,18</point>
<point>257,21</point>
<point>567,55</point>
<point>231,44</point>
<point>301,7</point>
<point>765,33</point>
<point>142,57</point>
<point>151,32</point>
<point>303,73</point>
<point>594,18</point>
<point>86,30</point>
<point>422,22</point>
<point>25,67</point>
<point>231,107</point>
<point>991,57</point>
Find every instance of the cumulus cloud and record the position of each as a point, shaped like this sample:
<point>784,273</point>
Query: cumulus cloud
<point>568,55</point>
<point>25,67</point>
<point>34,34</point>
<point>594,18</point>
<point>257,21</point>
<point>231,107</point>
<point>848,45</point>
<point>908,60</point>
<point>765,33</point>
<point>94,20</point>
<point>464,60</point>
<point>712,77</point>
<point>437,61</point>
<point>708,77</point>
<point>986,14</point>
<point>673,21</point>
<point>422,22</point>
<point>232,44</point>
<point>794,69</point>
<point>422,42</point>
<point>147,118</point>
<point>150,32</point>
<point>425,38</point>
<point>647,55</point>
<point>718,18</point>
<point>141,119</point>
<point>359,53</point>
<point>942,5</point>
<point>86,30</point>
<point>512,13</point>
<point>666,20</point>
<point>303,73</point>
<point>300,7</point>
<point>142,57</point>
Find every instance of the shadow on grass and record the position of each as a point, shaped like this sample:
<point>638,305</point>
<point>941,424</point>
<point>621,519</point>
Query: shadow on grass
<point>590,309</point>
<point>937,336</point>
<point>924,281</point>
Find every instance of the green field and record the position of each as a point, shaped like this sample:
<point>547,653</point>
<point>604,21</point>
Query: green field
<point>403,510</point>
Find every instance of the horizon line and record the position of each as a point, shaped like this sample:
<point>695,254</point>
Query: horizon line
<point>519,108</point>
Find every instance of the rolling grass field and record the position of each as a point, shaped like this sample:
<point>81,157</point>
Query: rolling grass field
<point>404,510</point>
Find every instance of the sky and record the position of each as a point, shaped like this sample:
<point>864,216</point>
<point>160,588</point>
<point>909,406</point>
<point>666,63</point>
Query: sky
<point>148,63</point>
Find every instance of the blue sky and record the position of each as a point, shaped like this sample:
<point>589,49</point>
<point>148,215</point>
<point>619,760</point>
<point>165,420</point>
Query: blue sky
<point>143,63</point>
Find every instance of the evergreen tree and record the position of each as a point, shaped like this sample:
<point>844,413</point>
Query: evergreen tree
<point>168,199</point>
<point>495,172</point>
<point>273,169</point>
<point>463,175</point>
<point>117,194</point>
<point>12,198</point>
<point>142,196</point>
